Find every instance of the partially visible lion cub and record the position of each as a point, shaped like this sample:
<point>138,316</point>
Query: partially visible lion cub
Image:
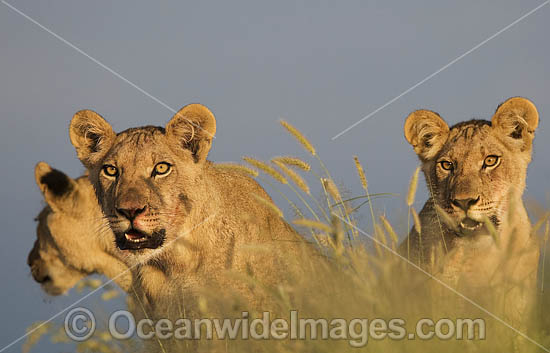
<point>475,172</point>
<point>182,223</point>
<point>73,238</point>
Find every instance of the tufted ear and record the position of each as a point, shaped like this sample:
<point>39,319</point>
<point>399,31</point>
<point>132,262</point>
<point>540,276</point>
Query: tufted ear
<point>516,120</point>
<point>91,135</point>
<point>426,132</point>
<point>193,128</point>
<point>54,184</point>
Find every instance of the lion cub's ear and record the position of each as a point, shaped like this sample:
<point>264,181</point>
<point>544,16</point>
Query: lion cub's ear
<point>55,185</point>
<point>91,135</point>
<point>517,119</point>
<point>426,132</point>
<point>193,128</point>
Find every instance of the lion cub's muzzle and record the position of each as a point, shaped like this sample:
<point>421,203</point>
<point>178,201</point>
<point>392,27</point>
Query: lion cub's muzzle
<point>134,237</point>
<point>471,224</point>
<point>467,225</point>
<point>39,275</point>
<point>37,266</point>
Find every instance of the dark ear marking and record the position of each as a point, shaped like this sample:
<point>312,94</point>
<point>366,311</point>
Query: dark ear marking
<point>192,128</point>
<point>517,118</point>
<point>57,182</point>
<point>193,146</point>
<point>427,138</point>
<point>517,133</point>
<point>190,137</point>
<point>427,132</point>
<point>96,140</point>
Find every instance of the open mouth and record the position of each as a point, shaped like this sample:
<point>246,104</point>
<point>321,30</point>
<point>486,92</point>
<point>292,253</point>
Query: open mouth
<point>470,224</point>
<point>470,227</point>
<point>134,236</point>
<point>133,239</point>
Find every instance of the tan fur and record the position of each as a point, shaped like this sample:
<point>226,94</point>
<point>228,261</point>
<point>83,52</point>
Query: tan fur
<point>495,193</point>
<point>73,238</point>
<point>212,225</point>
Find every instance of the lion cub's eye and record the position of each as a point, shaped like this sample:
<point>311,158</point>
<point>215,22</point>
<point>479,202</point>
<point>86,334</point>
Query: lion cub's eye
<point>491,161</point>
<point>446,165</point>
<point>162,168</point>
<point>110,170</point>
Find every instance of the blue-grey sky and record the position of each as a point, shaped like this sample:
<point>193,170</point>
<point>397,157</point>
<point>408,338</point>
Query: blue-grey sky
<point>320,65</point>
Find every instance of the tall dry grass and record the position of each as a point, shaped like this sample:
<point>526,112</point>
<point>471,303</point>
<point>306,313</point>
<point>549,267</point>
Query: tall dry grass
<point>349,281</point>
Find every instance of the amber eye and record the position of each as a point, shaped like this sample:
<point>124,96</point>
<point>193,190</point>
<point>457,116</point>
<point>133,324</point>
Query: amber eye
<point>162,168</point>
<point>446,165</point>
<point>110,170</point>
<point>491,161</point>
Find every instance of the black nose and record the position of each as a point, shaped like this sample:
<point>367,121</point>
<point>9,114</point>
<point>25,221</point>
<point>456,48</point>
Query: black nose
<point>39,275</point>
<point>465,204</point>
<point>43,280</point>
<point>131,213</point>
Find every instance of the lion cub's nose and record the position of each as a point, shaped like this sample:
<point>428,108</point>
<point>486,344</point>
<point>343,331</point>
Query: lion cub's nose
<point>131,212</point>
<point>465,204</point>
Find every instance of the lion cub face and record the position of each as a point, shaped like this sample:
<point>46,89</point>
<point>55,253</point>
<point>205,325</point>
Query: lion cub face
<point>147,179</point>
<point>475,168</point>
<point>52,258</point>
<point>47,264</point>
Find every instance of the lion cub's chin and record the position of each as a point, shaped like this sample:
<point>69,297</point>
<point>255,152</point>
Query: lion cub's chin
<point>140,256</point>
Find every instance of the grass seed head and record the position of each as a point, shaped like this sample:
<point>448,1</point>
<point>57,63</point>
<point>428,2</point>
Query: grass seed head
<point>269,205</point>
<point>299,137</point>
<point>293,162</point>
<point>331,188</point>
<point>389,229</point>
<point>412,187</point>
<point>234,167</point>
<point>417,225</point>
<point>313,224</point>
<point>267,169</point>
<point>295,177</point>
<point>361,173</point>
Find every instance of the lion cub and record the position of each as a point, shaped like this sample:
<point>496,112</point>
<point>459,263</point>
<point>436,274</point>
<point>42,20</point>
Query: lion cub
<point>182,224</point>
<point>73,239</point>
<point>475,172</point>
